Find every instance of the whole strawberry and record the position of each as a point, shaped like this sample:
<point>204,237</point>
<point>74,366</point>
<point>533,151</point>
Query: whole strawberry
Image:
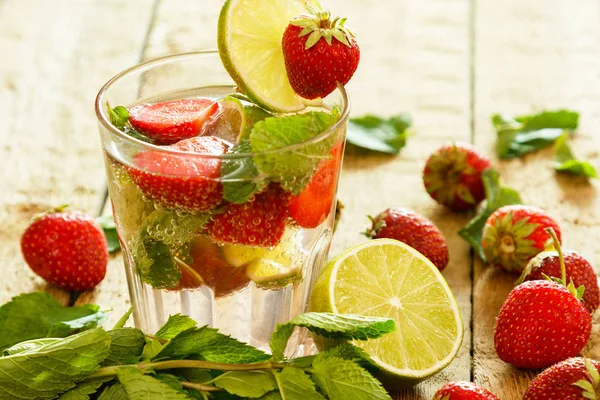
<point>67,249</point>
<point>318,53</point>
<point>540,324</point>
<point>452,176</point>
<point>513,235</point>
<point>578,270</point>
<point>463,391</point>
<point>258,222</point>
<point>413,229</point>
<point>182,181</point>
<point>573,379</point>
<point>168,122</point>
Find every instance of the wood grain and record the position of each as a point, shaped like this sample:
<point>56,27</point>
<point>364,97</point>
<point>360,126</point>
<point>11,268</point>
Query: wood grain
<point>532,56</point>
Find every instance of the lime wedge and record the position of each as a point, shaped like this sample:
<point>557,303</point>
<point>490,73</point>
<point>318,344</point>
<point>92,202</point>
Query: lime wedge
<point>387,278</point>
<point>237,119</point>
<point>265,271</point>
<point>249,40</point>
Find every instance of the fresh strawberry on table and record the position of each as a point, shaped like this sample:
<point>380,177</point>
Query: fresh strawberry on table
<point>463,391</point>
<point>413,229</point>
<point>258,222</point>
<point>313,205</point>
<point>515,234</point>
<point>319,52</point>
<point>573,379</point>
<point>452,176</point>
<point>67,249</point>
<point>168,122</point>
<point>182,181</point>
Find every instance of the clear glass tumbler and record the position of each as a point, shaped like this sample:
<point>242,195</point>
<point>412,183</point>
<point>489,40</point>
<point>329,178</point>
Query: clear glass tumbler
<point>174,263</point>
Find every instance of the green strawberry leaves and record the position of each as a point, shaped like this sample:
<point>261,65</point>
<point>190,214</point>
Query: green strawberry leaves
<point>565,161</point>
<point>385,135</point>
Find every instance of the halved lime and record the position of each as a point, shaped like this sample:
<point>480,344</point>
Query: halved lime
<point>237,118</point>
<point>249,40</point>
<point>387,278</point>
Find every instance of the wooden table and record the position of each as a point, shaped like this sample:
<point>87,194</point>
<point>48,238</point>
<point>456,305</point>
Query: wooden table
<point>450,63</point>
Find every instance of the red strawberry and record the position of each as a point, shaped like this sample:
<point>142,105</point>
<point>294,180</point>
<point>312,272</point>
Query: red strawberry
<point>313,205</point>
<point>540,324</point>
<point>578,270</point>
<point>168,122</point>
<point>258,222</point>
<point>209,267</point>
<point>571,379</point>
<point>463,391</point>
<point>318,53</point>
<point>413,229</point>
<point>452,176</point>
<point>182,181</point>
<point>67,249</point>
<point>513,235</point>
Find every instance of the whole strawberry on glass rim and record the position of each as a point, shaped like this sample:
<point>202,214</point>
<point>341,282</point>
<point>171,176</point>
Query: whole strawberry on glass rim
<point>66,248</point>
<point>542,322</point>
<point>319,53</point>
<point>463,391</point>
<point>452,176</point>
<point>573,379</point>
<point>515,234</point>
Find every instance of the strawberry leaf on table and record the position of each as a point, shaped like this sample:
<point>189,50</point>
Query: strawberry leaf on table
<point>497,196</point>
<point>565,160</point>
<point>524,134</point>
<point>386,135</point>
<point>107,223</point>
<point>39,315</point>
<point>292,168</point>
<point>241,178</point>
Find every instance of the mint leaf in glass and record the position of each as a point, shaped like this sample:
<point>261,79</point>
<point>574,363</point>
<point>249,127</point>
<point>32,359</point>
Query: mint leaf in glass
<point>119,116</point>
<point>155,262</point>
<point>54,368</point>
<point>175,325</point>
<point>170,227</point>
<point>126,346</point>
<point>38,315</point>
<point>107,223</point>
<point>524,134</point>
<point>386,135</point>
<point>292,168</point>
<point>143,387</point>
<point>295,384</point>
<point>497,196</point>
<point>250,384</point>
<point>241,178</point>
<point>83,390</point>
<point>342,379</point>
<point>565,161</point>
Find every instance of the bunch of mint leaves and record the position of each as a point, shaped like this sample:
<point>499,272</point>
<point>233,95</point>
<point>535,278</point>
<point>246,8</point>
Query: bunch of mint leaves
<point>182,360</point>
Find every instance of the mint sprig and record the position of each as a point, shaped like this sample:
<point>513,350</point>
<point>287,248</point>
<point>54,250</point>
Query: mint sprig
<point>385,135</point>
<point>565,161</point>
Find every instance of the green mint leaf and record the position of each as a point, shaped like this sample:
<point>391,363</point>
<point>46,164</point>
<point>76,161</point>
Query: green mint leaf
<point>292,168</point>
<point>172,228</point>
<point>143,387</point>
<point>123,320</point>
<point>497,196</point>
<point>107,223</point>
<point>83,390</point>
<point>344,326</point>
<point>386,135</point>
<point>151,349</point>
<point>155,263</point>
<point>28,345</point>
<point>348,351</point>
<point>54,368</point>
<point>342,379</point>
<point>251,384</point>
<point>38,315</point>
<point>170,380</point>
<point>119,116</point>
<point>241,178</point>
<point>114,392</point>
<point>175,325</point>
<point>295,384</point>
<point>274,395</point>
<point>195,375</point>
<point>210,345</point>
<point>529,133</point>
<point>565,160</point>
<point>126,346</point>
<point>279,340</point>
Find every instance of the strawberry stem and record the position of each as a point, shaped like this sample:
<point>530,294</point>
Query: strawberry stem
<point>561,258</point>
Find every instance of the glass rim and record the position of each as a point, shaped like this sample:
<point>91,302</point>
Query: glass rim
<point>103,118</point>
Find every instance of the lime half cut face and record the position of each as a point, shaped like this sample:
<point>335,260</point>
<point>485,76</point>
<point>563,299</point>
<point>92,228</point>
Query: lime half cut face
<point>249,40</point>
<point>387,278</point>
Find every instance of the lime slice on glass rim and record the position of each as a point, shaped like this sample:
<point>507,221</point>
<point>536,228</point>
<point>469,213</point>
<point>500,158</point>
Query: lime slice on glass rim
<point>387,278</point>
<point>249,41</point>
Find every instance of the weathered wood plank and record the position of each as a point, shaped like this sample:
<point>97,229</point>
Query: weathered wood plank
<point>531,56</point>
<point>51,70</point>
